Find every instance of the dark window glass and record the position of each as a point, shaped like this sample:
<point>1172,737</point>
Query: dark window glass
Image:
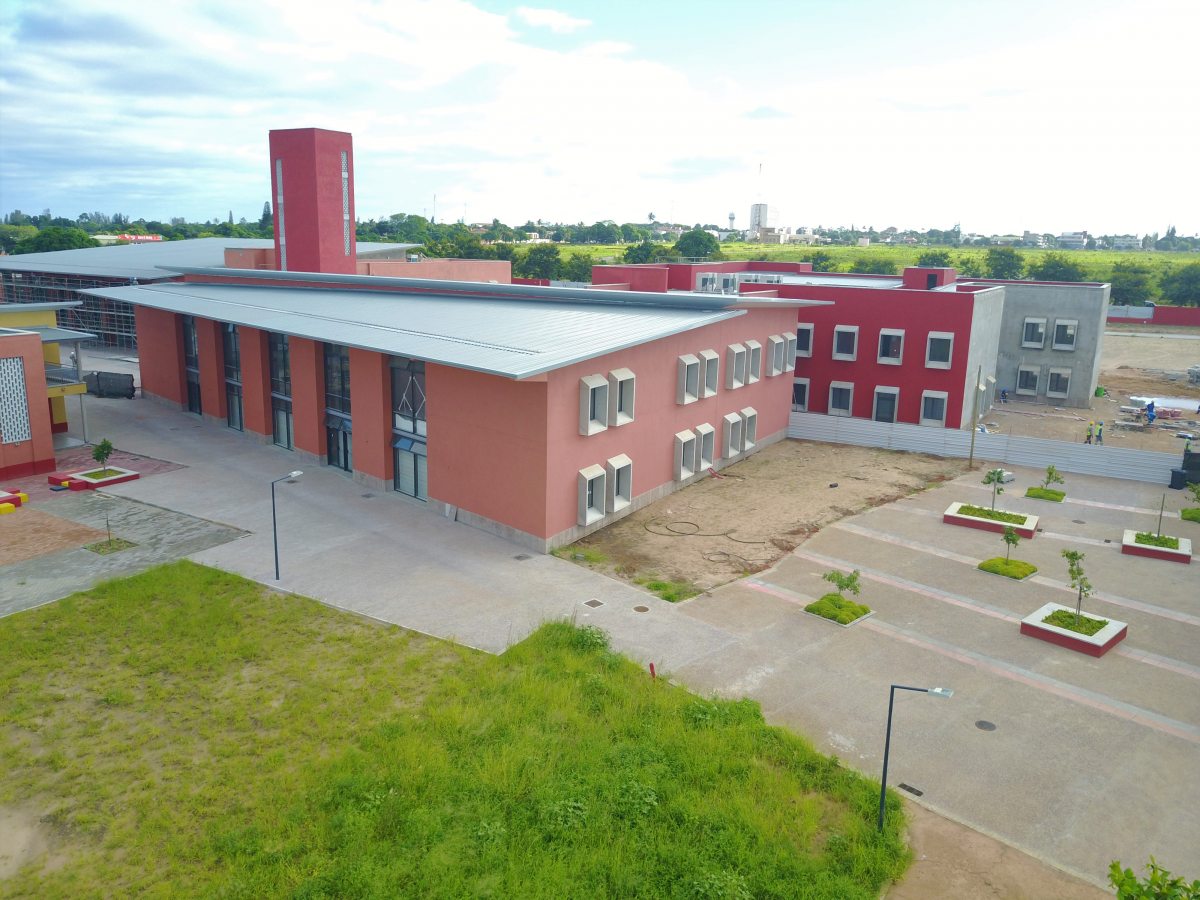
<point>232,351</point>
<point>1027,380</point>
<point>939,350</point>
<point>337,378</point>
<point>281,423</point>
<point>890,345</point>
<point>839,398</point>
<point>191,350</point>
<point>408,395</point>
<point>844,342</point>
<point>803,340</point>
<point>281,365</point>
<point>799,395</point>
<point>934,408</point>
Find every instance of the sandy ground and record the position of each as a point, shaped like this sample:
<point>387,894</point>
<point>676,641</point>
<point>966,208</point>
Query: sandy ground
<point>721,528</point>
<point>1142,364</point>
<point>28,532</point>
<point>25,838</point>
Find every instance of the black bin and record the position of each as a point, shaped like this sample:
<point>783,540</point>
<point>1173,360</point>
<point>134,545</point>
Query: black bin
<point>1179,479</point>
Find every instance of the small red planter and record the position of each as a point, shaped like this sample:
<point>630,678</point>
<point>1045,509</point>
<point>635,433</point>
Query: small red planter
<point>1131,547</point>
<point>1094,645</point>
<point>79,481</point>
<point>952,516</point>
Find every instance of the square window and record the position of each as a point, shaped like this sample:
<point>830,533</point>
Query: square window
<point>841,398</point>
<point>593,404</point>
<point>711,363</point>
<point>735,366</point>
<point>933,408</point>
<point>1034,333</point>
<point>1027,380</point>
<point>804,338</point>
<point>884,407</point>
<point>777,347</point>
<point>845,342</point>
<point>753,361</point>
<point>800,395</point>
<point>731,439</point>
<point>619,482</point>
<point>891,346</point>
<point>1064,334</point>
<point>622,387</point>
<point>688,384</point>
<point>591,494</point>
<point>707,437</point>
<point>1059,383</point>
<point>938,349</point>
<point>685,455</point>
<point>749,417</point>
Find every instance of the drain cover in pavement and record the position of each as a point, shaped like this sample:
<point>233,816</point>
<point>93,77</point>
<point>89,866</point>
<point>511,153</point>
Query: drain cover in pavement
<point>916,792</point>
<point>641,609</point>
<point>521,557</point>
<point>1079,521</point>
<point>593,603</point>
<point>985,725</point>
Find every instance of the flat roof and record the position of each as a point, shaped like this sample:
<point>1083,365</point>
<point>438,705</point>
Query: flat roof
<point>153,259</point>
<point>56,335</point>
<point>515,331</point>
<point>38,307</point>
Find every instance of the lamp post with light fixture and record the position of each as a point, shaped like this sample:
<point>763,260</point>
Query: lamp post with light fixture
<point>290,476</point>
<point>944,693</point>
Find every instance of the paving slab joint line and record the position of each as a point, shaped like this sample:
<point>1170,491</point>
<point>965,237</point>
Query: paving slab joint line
<point>174,512</point>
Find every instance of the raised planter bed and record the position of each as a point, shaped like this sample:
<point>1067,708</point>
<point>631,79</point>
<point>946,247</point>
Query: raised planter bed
<point>90,479</point>
<point>1130,546</point>
<point>952,516</point>
<point>1093,645</point>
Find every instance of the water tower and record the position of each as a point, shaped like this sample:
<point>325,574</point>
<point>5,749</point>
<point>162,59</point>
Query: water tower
<point>731,221</point>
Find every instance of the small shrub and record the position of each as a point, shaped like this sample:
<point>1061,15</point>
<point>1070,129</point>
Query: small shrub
<point>838,609</point>
<point>1041,493</point>
<point>978,512</point>
<point>589,638</point>
<point>1157,540</point>
<point>1009,568</point>
<point>671,591</point>
<point>1064,618</point>
<point>1158,884</point>
<point>1052,477</point>
<point>102,451</point>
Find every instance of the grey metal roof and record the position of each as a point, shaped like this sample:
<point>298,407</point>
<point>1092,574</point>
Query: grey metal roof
<point>508,334</point>
<point>60,335</point>
<point>149,260</point>
<point>39,307</point>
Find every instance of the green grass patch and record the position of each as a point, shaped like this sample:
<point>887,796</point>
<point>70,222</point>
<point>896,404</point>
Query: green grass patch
<point>186,732</point>
<point>101,473</point>
<point>1040,493</point>
<point>837,608</point>
<point>671,591</point>
<point>580,554</point>
<point>995,515</point>
<point>1064,618</point>
<point>1009,568</point>
<point>107,546</point>
<point>1191,514</point>
<point>1157,540</point>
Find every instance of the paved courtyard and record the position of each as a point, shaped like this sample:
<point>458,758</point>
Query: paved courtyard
<point>1090,760</point>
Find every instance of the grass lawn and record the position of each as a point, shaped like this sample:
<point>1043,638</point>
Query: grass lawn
<point>1009,568</point>
<point>1065,618</point>
<point>187,732</point>
<point>1156,540</point>
<point>1190,514</point>
<point>1040,493</point>
<point>995,515</point>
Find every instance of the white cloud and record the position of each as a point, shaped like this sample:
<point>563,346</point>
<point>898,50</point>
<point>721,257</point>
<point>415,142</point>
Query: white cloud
<point>558,22</point>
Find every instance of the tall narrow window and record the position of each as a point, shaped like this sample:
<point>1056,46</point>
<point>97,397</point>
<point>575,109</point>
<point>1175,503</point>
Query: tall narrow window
<point>688,379</point>
<point>749,428</point>
<point>711,363</point>
<point>347,230</point>
<point>685,455</point>
<point>753,361</point>
<point>804,336</point>
<point>280,231</point>
<point>777,348</point>
<point>731,437</point>
<point>735,366</point>
<point>593,404</point>
<point>800,395</point>
<point>706,437</point>
<point>622,386</point>
<point>591,483</point>
<point>410,453</point>
<point>619,482</point>
<point>281,390</point>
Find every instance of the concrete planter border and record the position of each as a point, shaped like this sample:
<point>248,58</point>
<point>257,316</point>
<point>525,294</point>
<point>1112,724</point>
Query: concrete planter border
<point>122,475</point>
<point>1094,645</point>
<point>1131,547</point>
<point>952,516</point>
<point>838,624</point>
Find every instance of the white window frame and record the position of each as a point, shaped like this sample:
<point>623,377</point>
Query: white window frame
<point>789,353</point>
<point>749,428</point>
<point>1037,380</point>
<point>848,329</point>
<point>849,411</point>
<point>731,435</point>
<point>777,347</point>
<point>621,408</point>
<point>929,339</point>
<point>685,455</point>
<point>887,360</point>
<point>706,446</point>
<point>687,386</point>
<point>588,385</point>
<point>884,389</point>
<point>735,366</point>
<point>805,326</point>
<point>591,513</point>
<point>803,407</point>
<point>934,395</point>
<point>1058,370</point>
<point>711,372</point>
<point>618,469</point>
<point>1074,324</point>
<point>753,361</point>
<point>1036,345</point>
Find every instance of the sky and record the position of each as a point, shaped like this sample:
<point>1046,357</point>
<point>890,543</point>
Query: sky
<point>1046,115</point>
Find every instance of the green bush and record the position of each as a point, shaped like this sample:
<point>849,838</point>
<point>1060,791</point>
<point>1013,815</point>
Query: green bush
<point>1157,540</point>
<point>1158,884</point>
<point>978,512</point>
<point>1038,493</point>
<point>1009,568</point>
<point>1192,514</point>
<point>671,591</point>
<point>1064,618</point>
<point>837,608</point>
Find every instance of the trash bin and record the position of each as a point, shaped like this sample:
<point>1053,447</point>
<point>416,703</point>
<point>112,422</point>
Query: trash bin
<point>1178,479</point>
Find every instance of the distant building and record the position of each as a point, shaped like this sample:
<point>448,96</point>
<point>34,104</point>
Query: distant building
<point>1127,242</point>
<point>1073,240</point>
<point>1029,239</point>
<point>762,216</point>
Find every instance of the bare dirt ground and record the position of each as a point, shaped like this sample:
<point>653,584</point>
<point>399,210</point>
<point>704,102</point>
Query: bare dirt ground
<point>1136,362</point>
<point>25,838</point>
<point>28,532</point>
<point>721,528</point>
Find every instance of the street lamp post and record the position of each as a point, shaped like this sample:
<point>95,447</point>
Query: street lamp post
<point>944,693</point>
<point>274,521</point>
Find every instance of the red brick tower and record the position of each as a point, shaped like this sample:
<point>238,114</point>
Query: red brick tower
<point>312,187</point>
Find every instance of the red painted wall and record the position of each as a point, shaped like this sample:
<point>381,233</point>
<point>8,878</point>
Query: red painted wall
<point>160,353</point>
<point>36,454</point>
<point>371,413</point>
<point>637,278</point>
<point>236,258</point>
<point>308,394</point>
<point>312,217</point>
<point>256,380</point>
<point>485,270</point>
<point>212,368</point>
<point>1176,315</point>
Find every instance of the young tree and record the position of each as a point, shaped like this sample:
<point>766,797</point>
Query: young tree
<point>578,267</point>
<point>1052,477</point>
<point>1055,267</point>
<point>1004,262</point>
<point>969,267</point>
<point>843,581</point>
<point>821,261</point>
<point>994,477</point>
<point>644,252</point>
<point>1079,581</point>
<point>102,451</point>
<point>1180,286</point>
<point>1011,539</point>
<point>696,243</point>
<point>934,259</point>
<point>540,262</point>
<point>1131,285</point>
